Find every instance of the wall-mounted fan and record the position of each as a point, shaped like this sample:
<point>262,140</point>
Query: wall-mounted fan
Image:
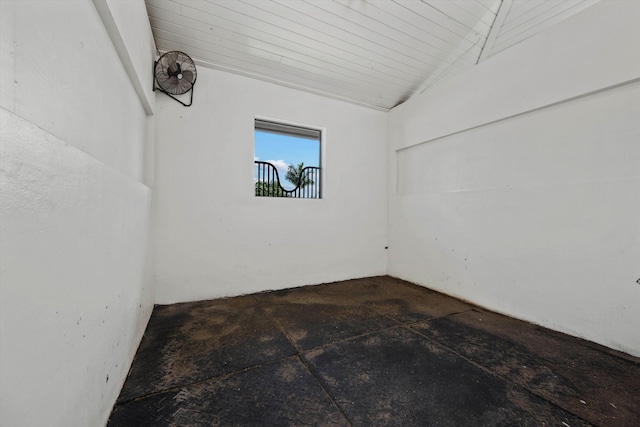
<point>175,74</point>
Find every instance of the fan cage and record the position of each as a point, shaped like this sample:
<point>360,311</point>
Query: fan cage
<point>175,74</point>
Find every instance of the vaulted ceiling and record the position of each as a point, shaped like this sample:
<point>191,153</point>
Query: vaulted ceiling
<point>376,53</point>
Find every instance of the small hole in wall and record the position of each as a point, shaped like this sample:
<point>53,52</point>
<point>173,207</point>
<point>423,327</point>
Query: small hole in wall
<point>638,281</point>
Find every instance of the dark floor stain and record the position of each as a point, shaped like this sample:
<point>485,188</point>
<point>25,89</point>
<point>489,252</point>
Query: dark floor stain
<point>594,384</point>
<point>368,352</point>
<point>281,393</point>
<point>315,325</point>
<point>186,343</point>
<point>396,377</point>
<point>395,298</point>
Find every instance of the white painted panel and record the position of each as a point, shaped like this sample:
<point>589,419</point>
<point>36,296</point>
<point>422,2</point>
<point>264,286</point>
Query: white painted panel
<point>547,8</point>
<point>557,140</point>
<point>211,238</point>
<point>73,307</point>
<point>479,11</point>
<point>414,26</point>
<point>313,17</point>
<point>88,99</point>
<point>75,296</point>
<point>524,7</point>
<point>279,16</point>
<point>124,21</point>
<point>439,18</point>
<point>563,257</point>
<point>457,13</point>
<point>168,6</point>
<point>491,5</point>
<point>7,40</point>
<point>380,32</point>
<point>538,23</point>
<point>529,77</point>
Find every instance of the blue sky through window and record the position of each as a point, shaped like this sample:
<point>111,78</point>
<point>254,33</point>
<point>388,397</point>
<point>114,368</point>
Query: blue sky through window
<point>283,150</point>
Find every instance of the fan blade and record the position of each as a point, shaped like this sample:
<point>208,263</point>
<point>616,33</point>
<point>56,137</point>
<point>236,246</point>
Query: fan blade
<point>183,87</point>
<point>172,57</point>
<point>172,82</point>
<point>170,63</point>
<point>169,84</point>
<point>188,76</point>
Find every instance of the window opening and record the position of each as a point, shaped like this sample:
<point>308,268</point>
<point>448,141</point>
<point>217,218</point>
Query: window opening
<point>286,160</point>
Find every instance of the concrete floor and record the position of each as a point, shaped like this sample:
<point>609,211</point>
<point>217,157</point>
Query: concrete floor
<point>368,352</point>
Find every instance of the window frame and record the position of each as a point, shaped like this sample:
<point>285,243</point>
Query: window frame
<point>296,129</point>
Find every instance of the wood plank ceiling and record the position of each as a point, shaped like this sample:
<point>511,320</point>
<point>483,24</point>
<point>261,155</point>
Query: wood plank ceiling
<point>376,53</point>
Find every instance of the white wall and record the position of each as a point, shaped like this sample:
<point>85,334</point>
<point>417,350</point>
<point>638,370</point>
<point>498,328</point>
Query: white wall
<point>215,238</point>
<point>516,184</point>
<point>74,217</point>
<point>133,42</point>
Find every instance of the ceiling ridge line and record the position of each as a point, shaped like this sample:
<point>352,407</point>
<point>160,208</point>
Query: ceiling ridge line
<point>431,81</point>
<point>498,21</point>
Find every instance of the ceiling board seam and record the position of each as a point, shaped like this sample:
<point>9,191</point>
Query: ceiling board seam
<point>452,18</point>
<point>376,61</point>
<point>338,39</point>
<point>287,83</point>
<point>501,16</point>
<point>318,78</point>
<point>459,39</point>
<point>422,61</point>
<point>463,5</point>
<point>421,28</point>
<point>369,78</point>
<point>433,80</point>
<point>295,79</point>
<point>441,14</point>
<point>553,8</point>
<point>521,8</point>
<point>547,15</point>
<point>396,29</point>
<point>372,53</point>
<point>486,7</point>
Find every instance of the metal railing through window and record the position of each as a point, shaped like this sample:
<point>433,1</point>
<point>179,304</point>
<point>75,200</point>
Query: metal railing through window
<point>268,183</point>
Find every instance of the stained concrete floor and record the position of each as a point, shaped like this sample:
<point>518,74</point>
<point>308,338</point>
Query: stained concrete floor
<point>368,352</point>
